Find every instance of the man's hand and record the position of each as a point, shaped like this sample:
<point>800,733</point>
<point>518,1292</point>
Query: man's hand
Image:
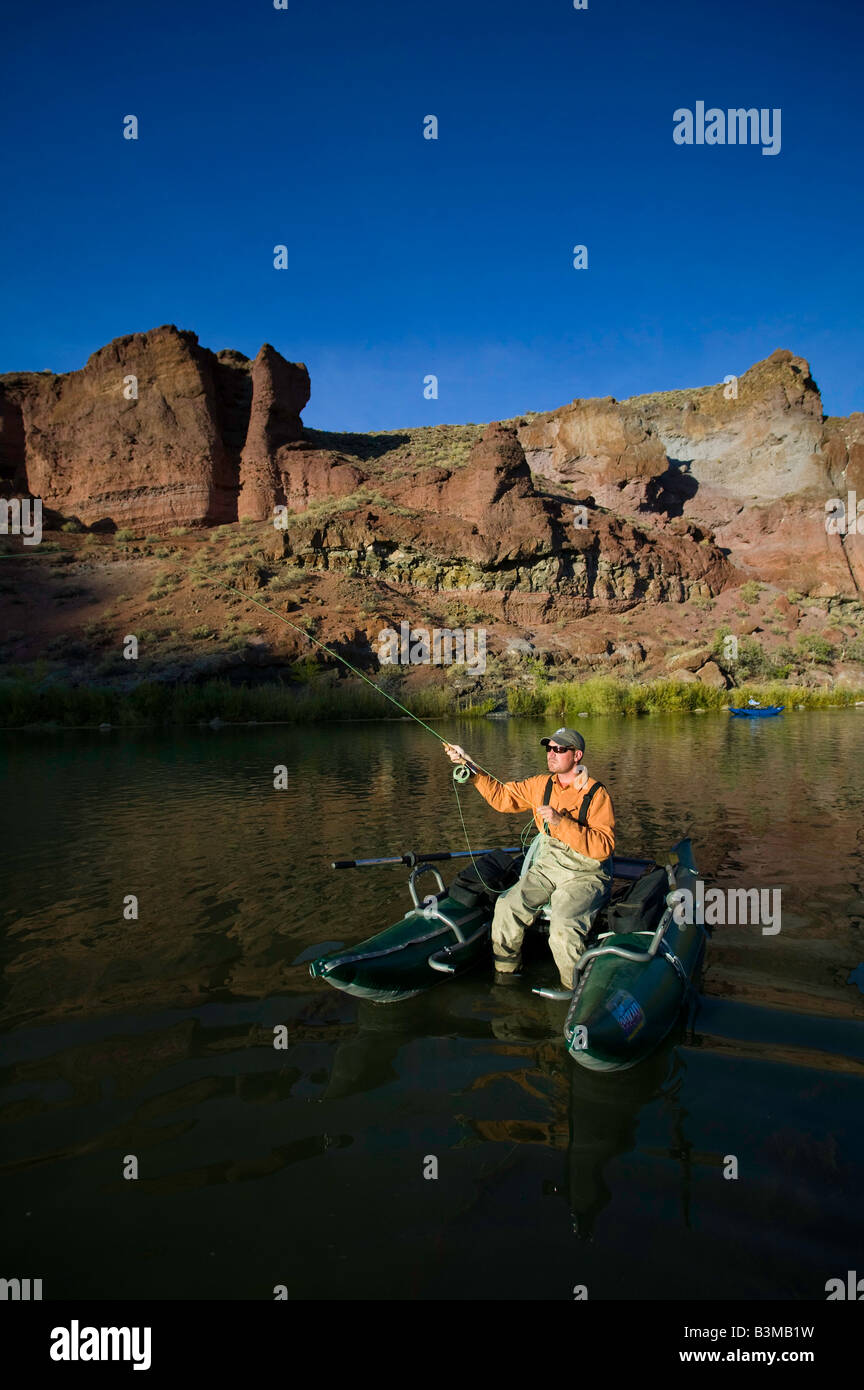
<point>458,755</point>
<point>550,816</point>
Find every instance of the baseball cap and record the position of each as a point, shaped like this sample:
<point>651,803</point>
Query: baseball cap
<point>565,738</point>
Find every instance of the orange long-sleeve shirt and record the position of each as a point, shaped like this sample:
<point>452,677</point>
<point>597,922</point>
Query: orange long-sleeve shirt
<point>596,840</point>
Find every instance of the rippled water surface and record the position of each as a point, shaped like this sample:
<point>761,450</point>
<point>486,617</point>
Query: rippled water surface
<point>304,1166</point>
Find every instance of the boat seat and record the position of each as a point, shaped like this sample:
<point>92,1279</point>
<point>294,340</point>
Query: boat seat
<point>638,910</point>
<point>634,905</point>
<point>634,899</point>
<point>497,871</point>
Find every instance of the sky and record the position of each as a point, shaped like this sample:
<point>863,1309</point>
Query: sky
<point>407,257</point>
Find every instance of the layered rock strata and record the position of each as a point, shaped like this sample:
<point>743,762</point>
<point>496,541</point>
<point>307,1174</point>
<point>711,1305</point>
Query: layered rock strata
<point>156,431</point>
<point>485,527</point>
<point>753,459</point>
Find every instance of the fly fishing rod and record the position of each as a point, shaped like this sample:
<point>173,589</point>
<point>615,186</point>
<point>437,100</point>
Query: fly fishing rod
<point>461,772</point>
<point>412,858</point>
<point>463,769</point>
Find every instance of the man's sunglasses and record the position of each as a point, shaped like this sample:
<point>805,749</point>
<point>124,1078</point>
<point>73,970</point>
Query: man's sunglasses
<point>551,748</point>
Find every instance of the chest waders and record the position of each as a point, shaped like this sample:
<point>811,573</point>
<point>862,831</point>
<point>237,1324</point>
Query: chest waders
<point>573,893</point>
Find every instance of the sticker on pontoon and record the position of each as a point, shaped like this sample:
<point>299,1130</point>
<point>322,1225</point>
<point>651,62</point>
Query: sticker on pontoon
<point>627,1012</point>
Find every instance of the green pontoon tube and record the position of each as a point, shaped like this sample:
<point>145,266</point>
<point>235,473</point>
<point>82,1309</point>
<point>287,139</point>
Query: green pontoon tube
<point>632,984</point>
<point>441,936</point>
<point>449,932</point>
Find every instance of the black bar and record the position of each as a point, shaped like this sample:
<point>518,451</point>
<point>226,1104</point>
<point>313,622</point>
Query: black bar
<point>219,1341</point>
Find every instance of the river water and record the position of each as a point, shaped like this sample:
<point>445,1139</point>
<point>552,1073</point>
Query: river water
<point>151,1040</point>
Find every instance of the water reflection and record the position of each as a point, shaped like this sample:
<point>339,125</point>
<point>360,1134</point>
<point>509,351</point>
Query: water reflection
<point>233,879</point>
<point>155,1037</point>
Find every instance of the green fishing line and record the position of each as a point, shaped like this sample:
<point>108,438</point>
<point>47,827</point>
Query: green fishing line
<point>461,773</point>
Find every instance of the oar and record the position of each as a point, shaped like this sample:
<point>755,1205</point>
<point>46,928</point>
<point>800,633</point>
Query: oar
<point>411,859</point>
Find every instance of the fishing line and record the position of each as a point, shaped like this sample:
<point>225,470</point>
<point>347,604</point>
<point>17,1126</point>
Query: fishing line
<point>461,773</point>
<point>345,662</point>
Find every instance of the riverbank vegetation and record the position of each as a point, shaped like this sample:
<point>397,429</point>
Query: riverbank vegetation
<point>566,700</point>
<point>229,626</point>
<point>27,701</point>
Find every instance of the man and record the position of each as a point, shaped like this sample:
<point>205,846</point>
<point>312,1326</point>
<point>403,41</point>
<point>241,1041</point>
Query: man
<point>571,872</point>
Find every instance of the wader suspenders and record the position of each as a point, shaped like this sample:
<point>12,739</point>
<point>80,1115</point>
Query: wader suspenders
<point>582,817</point>
<point>547,797</point>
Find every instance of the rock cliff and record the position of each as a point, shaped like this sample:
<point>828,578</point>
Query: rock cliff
<point>752,459</point>
<point>680,492</point>
<point>154,431</point>
<point>280,390</point>
<point>485,527</point>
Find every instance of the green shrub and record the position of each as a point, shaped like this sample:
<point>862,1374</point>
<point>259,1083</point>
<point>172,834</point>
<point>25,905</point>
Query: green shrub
<point>753,662</point>
<point>286,578</point>
<point>95,630</point>
<point>459,614</point>
<point>305,670</point>
<point>165,584</point>
<point>521,701</point>
<point>816,649</point>
<point>750,591</point>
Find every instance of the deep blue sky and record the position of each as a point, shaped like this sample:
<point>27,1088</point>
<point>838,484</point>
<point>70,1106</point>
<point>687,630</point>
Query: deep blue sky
<point>407,257</point>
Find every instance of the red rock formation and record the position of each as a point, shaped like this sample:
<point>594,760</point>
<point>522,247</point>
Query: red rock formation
<point>90,448</point>
<point>280,390</point>
<point>843,447</point>
<point>159,459</point>
<point>13,475</point>
<point>489,510</point>
<point>756,446</point>
<point>757,467</point>
<point>485,527</point>
<point>600,445</point>
<point>308,475</point>
<point>212,437</point>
